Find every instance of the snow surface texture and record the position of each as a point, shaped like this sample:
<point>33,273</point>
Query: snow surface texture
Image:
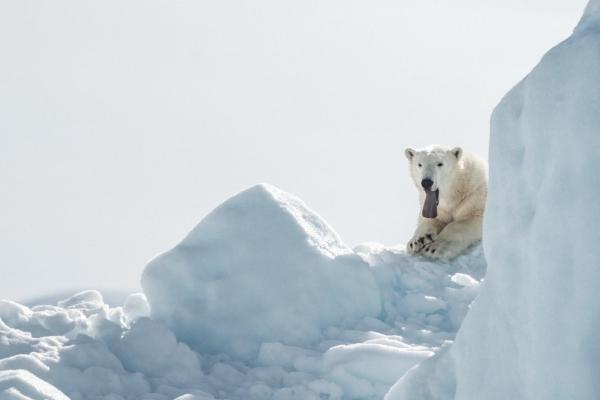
<point>533,331</point>
<point>261,301</point>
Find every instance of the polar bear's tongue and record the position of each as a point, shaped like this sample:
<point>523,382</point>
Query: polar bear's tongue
<point>431,202</point>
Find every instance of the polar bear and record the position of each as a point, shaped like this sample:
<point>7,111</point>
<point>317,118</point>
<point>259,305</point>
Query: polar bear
<point>452,186</point>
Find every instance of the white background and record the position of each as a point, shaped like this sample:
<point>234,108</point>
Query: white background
<point>123,123</point>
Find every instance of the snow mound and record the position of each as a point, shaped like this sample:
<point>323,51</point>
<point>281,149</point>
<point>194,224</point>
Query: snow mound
<point>23,385</point>
<point>261,267</point>
<point>358,319</point>
<point>532,332</point>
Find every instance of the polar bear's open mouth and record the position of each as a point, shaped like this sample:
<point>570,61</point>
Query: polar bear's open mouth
<point>431,203</point>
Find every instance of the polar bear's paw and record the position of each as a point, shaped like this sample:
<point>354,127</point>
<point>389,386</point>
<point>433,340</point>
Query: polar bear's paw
<point>419,242</point>
<point>442,249</point>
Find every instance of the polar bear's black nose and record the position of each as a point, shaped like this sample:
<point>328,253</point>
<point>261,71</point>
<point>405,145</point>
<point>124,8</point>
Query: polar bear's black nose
<point>427,183</point>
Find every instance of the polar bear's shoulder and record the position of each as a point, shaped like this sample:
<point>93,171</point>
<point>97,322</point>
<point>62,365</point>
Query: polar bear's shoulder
<point>474,168</point>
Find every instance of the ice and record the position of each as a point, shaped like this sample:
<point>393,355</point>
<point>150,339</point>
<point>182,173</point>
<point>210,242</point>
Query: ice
<point>261,267</point>
<point>362,369</point>
<point>87,300</point>
<point>262,301</point>
<point>136,306</point>
<point>532,332</point>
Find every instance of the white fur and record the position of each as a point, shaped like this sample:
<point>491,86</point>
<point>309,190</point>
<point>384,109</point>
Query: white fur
<point>462,184</point>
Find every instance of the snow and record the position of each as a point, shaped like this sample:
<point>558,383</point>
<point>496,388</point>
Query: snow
<point>23,385</point>
<point>532,332</point>
<point>136,306</point>
<point>261,301</point>
<point>261,267</point>
<point>264,301</point>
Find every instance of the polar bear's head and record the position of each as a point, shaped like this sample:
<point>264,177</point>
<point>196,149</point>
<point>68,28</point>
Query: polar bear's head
<point>433,170</point>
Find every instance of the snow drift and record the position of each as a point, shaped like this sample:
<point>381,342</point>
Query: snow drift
<point>262,300</point>
<point>532,333</point>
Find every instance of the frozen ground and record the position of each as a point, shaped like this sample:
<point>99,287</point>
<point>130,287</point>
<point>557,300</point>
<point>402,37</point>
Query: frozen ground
<point>262,300</point>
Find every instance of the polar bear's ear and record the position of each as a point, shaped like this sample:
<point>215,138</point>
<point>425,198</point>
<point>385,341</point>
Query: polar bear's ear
<point>457,152</point>
<point>410,153</point>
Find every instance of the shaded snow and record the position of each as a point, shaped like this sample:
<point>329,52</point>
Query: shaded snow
<point>262,300</point>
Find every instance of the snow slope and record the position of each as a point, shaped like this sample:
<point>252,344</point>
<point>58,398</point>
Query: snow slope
<point>533,331</point>
<point>262,300</point>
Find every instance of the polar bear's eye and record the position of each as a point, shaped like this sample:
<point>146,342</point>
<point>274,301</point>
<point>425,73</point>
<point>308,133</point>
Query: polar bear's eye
<point>440,165</point>
<point>420,165</point>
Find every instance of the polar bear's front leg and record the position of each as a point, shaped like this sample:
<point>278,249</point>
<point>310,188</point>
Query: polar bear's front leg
<point>454,239</point>
<point>426,233</point>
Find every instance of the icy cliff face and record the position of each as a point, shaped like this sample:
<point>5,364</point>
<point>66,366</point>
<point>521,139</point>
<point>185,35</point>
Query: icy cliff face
<point>591,16</point>
<point>261,267</point>
<point>532,332</point>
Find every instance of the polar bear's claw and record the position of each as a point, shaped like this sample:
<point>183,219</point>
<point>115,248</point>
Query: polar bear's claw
<point>441,249</point>
<point>419,242</point>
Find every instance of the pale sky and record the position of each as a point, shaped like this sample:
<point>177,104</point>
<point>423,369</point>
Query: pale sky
<point>123,123</point>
